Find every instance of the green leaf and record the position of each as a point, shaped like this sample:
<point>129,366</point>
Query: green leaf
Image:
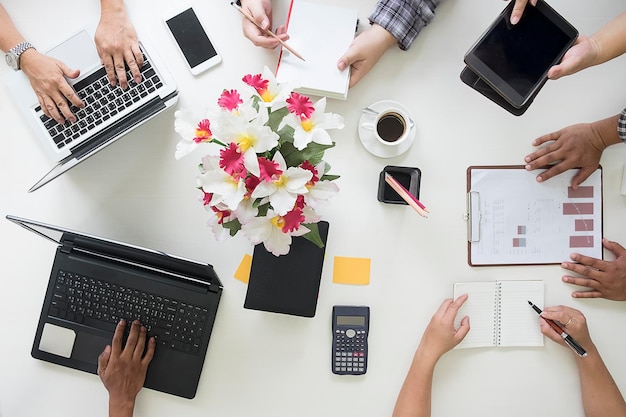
<point>276,117</point>
<point>233,226</point>
<point>255,102</point>
<point>314,152</point>
<point>313,235</point>
<point>329,177</point>
<point>285,135</point>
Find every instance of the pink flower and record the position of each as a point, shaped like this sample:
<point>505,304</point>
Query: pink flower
<point>231,161</point>
<point>206,198</point>
<point>259,84</point>
<point>301,106</point>
<point>203,131</point>
<point>292,220</point>
<point>269,169</point>
<point>229,100</point>
<point>309,167</point>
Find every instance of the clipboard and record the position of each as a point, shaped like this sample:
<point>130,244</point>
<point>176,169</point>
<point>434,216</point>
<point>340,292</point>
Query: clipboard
<point>514,220</point>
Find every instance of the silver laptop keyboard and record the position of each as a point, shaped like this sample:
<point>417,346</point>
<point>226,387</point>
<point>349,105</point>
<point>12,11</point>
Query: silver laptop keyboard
<point>102,102</point>
<point>102,304</point>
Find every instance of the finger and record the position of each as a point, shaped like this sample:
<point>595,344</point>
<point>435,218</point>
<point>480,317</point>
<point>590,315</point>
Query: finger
<point>133,336</point>
<point>518,10</point>
<point>131,61</point>
<point>581,176</point>
<point>66,89</point>
<point>141,343</point>
<point>553,171</point>
<point>463,329</point>
<point>588,266</point>
<point>443,307</point>
<point>546,138</point>
<point>549,332</point>
<point>120,70</point>
<point>149,352</point>
<point>617,249</point>
<point>587,294</point>
<point>103,359</point>
<point>453,308</point>
<point>64,108</point>
<point>560,314</point>
<point>582,282</point>
<point>116,344</point>
<point>107,62</point>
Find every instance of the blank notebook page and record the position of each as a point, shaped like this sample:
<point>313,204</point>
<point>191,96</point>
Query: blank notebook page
<point>500,314</point>
<point>321,34</point>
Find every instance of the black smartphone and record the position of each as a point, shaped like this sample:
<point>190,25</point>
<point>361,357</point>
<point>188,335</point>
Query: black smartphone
<point>192,39</point>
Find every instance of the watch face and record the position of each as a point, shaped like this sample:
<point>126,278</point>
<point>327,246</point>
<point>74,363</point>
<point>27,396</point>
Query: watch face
<point>12,61</point>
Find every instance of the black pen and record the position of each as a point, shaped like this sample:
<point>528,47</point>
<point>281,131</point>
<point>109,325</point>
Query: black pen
<point>568,339</point>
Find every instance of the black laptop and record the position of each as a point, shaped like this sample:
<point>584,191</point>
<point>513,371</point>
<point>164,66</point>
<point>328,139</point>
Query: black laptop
<point>95,282</point>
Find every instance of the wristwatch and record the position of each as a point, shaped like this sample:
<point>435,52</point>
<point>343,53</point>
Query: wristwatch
<point>13,56</point>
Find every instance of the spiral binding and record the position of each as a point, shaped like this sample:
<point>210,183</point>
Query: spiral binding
<point>497,316</point>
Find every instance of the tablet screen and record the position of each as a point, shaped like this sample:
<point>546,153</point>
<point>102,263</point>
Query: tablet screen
<point>512,52</point>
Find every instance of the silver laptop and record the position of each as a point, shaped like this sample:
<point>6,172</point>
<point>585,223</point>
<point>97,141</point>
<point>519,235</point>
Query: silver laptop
<point>110,112</point>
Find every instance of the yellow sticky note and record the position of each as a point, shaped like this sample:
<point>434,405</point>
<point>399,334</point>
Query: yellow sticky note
<point>353,271</point>
<point>243,271</point>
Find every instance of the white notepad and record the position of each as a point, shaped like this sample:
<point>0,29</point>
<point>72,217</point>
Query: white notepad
<point>321,34</point>
<point>499,313</point>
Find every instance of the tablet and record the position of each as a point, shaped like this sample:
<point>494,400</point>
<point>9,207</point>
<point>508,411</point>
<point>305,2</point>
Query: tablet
<point>514,59</point>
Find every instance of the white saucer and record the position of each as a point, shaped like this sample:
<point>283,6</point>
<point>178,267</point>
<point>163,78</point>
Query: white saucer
<point>372,144</point>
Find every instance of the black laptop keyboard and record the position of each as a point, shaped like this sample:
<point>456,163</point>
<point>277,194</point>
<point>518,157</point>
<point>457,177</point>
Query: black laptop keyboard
<point>101,304</point>
<point>102,102</point>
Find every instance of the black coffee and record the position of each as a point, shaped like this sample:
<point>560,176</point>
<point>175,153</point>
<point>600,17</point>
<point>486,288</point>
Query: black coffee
<point>390,127</point>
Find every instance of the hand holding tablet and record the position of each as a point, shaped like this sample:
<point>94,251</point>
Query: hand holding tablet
<point>509,63</point>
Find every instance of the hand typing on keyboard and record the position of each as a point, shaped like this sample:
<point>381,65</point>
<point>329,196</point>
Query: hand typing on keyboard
<point>117,43</point>
<point>123,369</point>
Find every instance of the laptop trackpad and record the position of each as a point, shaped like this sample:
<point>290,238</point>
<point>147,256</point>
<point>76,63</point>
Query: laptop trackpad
<point>57,340</point>
<point>78,52</point>
<point>88,347</point>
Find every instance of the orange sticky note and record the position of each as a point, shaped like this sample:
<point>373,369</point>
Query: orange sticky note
<point>243,271</point>
<point>353,271</point>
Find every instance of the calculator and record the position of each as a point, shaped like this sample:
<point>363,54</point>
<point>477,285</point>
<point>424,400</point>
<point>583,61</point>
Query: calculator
<point>350,330</point>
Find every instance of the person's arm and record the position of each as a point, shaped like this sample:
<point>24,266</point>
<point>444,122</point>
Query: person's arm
<point>606,279</point>
<point>123,369</point>
<point>576,146</point>
<point>45,74</point>
<point>601,396</point>
<point>394,22</point>
<point>117,44</point>
<point>609,42</point>
<point>414,399</point>
<point>261,11</point>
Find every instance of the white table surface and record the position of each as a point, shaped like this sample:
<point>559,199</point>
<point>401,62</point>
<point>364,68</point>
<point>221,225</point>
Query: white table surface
<point>263,364</point>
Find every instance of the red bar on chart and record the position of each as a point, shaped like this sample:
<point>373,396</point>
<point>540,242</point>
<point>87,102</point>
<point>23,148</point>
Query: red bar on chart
<point>581,192</point>
<point>577,208</point>
<point>519,242</point>
<point>583,225</point>
<point>581,241</point>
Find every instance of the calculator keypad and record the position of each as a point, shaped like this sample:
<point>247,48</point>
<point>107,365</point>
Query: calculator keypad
<point>350,356</point>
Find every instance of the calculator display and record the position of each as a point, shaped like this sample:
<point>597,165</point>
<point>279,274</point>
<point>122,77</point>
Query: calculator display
<point>351,321</point>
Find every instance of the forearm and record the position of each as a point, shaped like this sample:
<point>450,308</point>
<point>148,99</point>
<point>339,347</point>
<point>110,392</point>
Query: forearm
<point>121,409</point>
<point>601,396</point>
<point>112,5</point>
<point>610,40</point>
<point>404,19</point>
<point>9,35</point>
<point>605,131</point>
<point>414,399</point>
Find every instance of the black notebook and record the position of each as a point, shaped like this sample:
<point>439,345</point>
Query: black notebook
<point>287,284</point>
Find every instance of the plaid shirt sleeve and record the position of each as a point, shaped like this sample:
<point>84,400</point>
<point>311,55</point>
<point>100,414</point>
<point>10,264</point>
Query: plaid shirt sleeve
<point>404,19</point>
<point>621,126</point>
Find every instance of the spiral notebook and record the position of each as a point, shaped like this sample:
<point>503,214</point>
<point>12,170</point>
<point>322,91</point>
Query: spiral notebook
<point>499,313</point>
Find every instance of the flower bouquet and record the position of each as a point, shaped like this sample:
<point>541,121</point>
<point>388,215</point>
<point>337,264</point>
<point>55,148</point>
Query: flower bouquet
<point>263,172</point>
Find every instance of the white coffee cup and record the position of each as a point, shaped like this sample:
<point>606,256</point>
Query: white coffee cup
<point>390,126</point>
